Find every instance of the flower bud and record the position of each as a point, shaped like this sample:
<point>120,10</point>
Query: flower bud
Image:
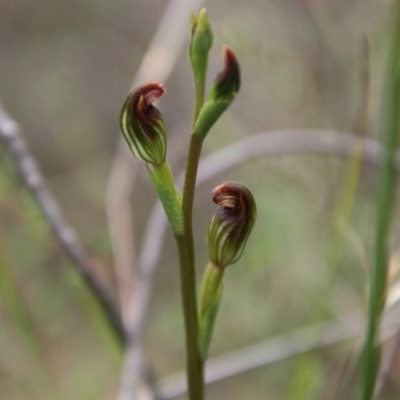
<point>227,83</point>
<point>143,125</point>
<point>222,92</point>
<point>231,225</point>
<point>201,39</point>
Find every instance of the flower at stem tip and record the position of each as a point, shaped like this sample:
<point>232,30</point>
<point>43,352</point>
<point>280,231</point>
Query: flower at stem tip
<point>227,83</point>
<point>222,92</point>
<point>231,225</point>
<point>143,125</point>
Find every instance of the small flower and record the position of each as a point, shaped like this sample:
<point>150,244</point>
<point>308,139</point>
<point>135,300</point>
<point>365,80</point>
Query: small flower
<point>143,125</point>
<point>231,225</point>
<point>227,83</point>
<point>222,92</point>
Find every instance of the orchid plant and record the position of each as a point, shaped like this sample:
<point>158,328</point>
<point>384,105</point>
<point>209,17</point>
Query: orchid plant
<point>146,135</point>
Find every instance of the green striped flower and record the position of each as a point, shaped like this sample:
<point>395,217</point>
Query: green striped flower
<point>231,225</point>
<point>143,125</point>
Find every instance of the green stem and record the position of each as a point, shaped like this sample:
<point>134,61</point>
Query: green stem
<point>196,144</point>
<point>169,195</point>
<point>195,365</point>
<point>378,281</point>
<point>352,173</point>
<point>187,264</point>
<point>163,181</point>
<point>345,207</point>
<point>188,289</point>
<point>164,174</point>
<point>188,269</point>
<point>200,89</point>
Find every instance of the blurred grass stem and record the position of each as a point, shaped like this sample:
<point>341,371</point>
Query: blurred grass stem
<point>372,351</point>
<point>352,170</point>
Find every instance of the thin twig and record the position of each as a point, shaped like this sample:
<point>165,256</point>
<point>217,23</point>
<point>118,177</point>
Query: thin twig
<point>275,350</point>
<point>273,143</point>
<point>12,138</point>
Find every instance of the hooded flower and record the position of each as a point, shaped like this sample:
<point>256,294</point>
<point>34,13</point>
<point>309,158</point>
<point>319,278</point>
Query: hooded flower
<point>231,225</point>
<point>222,92</point>
<point>143,125</point>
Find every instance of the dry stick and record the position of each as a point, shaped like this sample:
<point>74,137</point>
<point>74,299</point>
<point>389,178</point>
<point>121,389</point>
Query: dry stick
<point>275,350</point>
<point>11,136</point>
<point>157,65</point>
<point>273,143</point>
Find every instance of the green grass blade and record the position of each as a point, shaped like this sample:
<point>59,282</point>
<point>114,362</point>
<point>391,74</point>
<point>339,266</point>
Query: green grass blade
<point>390,114</point>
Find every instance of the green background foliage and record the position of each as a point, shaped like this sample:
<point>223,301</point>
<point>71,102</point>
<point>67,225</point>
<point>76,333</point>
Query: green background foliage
<point>65,71</point>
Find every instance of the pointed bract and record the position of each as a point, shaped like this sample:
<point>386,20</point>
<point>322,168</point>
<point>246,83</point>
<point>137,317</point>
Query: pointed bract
<point>143,125</point>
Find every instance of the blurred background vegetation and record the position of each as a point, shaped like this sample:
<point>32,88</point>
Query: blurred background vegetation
<point>66,67</point>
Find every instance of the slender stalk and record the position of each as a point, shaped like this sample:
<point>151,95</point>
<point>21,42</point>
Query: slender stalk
<point>195,364</point>
<point>199,101</point>
<point>353,168</point>
<point>164,183</point>
<point>162,179</point>
<point>188,289</point>
<point>196,144</point>
<point>372,351</point>
<point>188,274</point>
